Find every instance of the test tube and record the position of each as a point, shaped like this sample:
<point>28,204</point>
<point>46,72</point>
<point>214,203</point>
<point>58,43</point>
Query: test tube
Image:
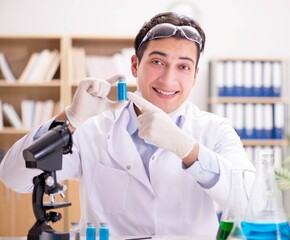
<point>122,91</point>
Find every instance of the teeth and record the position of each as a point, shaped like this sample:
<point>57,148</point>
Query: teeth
<point>165,93</point>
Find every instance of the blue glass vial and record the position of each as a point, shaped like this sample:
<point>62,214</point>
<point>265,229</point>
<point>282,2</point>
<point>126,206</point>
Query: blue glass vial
<point>90,232</point>
<point>122,91</point>
<point>104,231</point>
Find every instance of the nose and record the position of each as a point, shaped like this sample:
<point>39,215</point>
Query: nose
<point>169,76</point>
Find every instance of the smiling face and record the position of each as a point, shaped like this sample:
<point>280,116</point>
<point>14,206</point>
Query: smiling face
<point>167,72</point>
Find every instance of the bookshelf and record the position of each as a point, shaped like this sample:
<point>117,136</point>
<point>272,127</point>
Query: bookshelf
<point>251,94</point>
<point>18,52</point>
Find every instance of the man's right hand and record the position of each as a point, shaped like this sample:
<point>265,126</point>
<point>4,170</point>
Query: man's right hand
<point>91,99</point>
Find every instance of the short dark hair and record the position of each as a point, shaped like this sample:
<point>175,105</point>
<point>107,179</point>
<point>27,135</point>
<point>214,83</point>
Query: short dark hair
<point>167,17</point>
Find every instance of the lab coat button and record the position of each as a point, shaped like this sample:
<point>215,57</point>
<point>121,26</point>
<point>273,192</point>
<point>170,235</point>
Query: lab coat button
<point>153,158</point>
<point>108,136</point>
<point>128,167</point>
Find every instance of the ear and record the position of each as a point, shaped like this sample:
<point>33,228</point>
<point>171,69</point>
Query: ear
<point>134,65</point>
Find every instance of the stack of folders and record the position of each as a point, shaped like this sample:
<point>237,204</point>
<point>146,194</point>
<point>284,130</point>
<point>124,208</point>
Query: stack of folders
<point>254,121</point>
<point>248,78</point>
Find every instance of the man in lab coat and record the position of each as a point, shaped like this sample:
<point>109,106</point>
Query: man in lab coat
<point>153,165</point>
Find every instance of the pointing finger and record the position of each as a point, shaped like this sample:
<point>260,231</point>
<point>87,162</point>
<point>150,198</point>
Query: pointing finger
<point>142,103</point>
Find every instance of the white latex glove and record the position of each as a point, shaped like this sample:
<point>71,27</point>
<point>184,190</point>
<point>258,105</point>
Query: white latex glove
<point>91,99</point>
<point>157,127</point>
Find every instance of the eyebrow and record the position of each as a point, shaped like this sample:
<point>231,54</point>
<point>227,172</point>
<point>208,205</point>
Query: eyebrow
<point>164,55</point>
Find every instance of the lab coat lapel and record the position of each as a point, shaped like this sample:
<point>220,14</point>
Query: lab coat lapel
<point>123,150</point>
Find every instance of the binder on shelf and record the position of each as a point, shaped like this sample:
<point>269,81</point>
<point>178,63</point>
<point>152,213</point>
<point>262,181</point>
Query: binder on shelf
<point>230,113</point>
<point>277,79</point>
<point>250,153</point>
<point>229,78</point>
<point>6,70</point>
<point>268,121</point>
<point>219,109</point>
<point>257,77</point>
<point>267,79</point>
<point>279,117</point>
<point>238,79</point>
<point>248,79</point>
<point>249,121</point>
<point>278,156</point>
<point>258,121</point>
<point>239,119</point>
<point>217,74</point>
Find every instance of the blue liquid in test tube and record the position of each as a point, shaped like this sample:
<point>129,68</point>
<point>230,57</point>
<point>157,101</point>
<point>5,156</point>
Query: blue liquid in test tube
<point>122,91</point>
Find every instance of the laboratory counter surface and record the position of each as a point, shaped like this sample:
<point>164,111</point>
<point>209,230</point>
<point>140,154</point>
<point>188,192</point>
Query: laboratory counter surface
<point>135,238</point>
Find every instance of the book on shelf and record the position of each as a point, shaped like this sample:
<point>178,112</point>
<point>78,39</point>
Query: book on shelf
<point>34,113</point>
<point>6,70</point>
<point>27,113</point>
<point>78,64</point>
<point>99,66</point>
<point>41,67</point>
<point>11,115</point>
<point>53,66</point>
<point>28,68</point>
<point>1,115</point>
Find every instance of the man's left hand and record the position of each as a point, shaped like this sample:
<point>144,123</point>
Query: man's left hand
<point>157,127</point>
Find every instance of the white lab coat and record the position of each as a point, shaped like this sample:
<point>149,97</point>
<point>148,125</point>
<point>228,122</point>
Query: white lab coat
<point>115,188</point>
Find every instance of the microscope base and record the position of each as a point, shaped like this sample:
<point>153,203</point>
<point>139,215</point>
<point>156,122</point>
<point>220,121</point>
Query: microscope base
<point>42,231</point>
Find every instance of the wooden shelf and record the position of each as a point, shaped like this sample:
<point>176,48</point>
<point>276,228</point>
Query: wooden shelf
<point>13,131</point>
<point>265,142</point>
<point>54,83</point>
<point>262,100</point>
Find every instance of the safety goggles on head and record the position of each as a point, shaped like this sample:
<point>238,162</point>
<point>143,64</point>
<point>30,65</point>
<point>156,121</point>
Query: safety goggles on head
<point>167,30</point>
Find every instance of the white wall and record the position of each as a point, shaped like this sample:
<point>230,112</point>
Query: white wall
<point>234,28</point>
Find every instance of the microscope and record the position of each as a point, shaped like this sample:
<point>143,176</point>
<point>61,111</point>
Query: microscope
<point>46,154</point>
